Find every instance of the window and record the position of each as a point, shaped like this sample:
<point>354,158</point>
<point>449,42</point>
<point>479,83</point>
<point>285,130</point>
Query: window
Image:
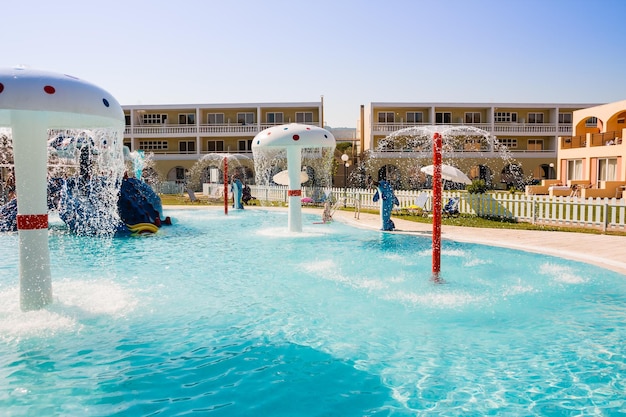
<point>535,117</point>
<point>153,145</point>
<point>565,118</point>
<point>535,144</point>
<point>153,119</point>
<point>187,146</point>
<point>591,122</point>
<point>244,145</point>
<point>215,146</point>
<point>245,118</point>
<point>414,117</point>
<point>215,118</point>
<point>620,121</point>
<point>127,119</point>
<point>510,143</point>
<point>386,117</point>
<point>607,169</point>
<point>472,117</point>
<point>274,118</point>
<point>505,117</point>
<point>443,117</point>
<point>180,174</point>
<point>187,119</point>
<point>575,169</point>
<point>304,117</point>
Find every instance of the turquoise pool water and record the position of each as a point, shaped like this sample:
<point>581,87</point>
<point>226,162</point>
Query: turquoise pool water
<point>234,316</point>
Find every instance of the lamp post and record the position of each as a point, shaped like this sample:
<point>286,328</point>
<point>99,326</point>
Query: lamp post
<point>346,163</point>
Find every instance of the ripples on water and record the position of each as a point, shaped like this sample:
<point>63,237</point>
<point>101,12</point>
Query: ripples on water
<point>232,315</point>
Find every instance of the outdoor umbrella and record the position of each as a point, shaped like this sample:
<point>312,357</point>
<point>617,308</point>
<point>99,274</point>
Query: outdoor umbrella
<point>282,177</point>
<point>448,173</point>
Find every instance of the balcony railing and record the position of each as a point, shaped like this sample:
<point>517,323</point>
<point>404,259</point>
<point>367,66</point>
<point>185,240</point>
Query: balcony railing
<point>202,129</point>
<point>604,139</point>
<point>495,128</point>
<point>173,152</point>
<point>596,139</point>
<point>392,127</point>
<point>463,153</point>
<point>571,142</point>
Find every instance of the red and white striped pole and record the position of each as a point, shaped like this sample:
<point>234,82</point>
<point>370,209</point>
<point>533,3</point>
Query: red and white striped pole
<point>226,185</point>
<point>437,143</point>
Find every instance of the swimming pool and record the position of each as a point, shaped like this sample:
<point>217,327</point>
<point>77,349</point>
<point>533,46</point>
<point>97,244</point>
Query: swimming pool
<point>234,316</point>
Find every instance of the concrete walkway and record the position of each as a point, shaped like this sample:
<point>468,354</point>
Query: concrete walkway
<point>607,251</point>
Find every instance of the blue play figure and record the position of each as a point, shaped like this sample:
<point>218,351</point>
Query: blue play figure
<point>384,192</point>
<point>237,189</point>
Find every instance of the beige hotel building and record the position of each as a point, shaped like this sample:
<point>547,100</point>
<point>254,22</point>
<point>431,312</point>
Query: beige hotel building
<point>536,136</point>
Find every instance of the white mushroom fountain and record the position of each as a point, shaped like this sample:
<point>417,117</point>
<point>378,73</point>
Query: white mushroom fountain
<point>33,102</point>
<point>293,138</point>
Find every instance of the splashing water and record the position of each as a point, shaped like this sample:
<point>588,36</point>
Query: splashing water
<point>85,170</point>
<point>410,149</point>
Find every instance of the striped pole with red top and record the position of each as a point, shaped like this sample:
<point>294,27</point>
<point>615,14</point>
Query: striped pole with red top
<point>226,185</point>
<point>437,144</point>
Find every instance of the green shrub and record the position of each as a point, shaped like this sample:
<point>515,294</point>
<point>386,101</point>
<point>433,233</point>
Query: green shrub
<point>477,187</point>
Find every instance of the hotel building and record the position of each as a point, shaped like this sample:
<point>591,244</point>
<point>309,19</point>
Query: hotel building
<point>178,136</point>
<point>530,132</point>
<point>592,158</point>
<point>553,142</point>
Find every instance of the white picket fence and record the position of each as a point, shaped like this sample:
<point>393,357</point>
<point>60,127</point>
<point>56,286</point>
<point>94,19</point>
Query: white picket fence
<point>599,213</point>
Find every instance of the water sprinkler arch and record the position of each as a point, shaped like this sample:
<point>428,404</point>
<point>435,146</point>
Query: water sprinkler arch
<point>439,144</point>
<point>410,149</point>
<point>237,163</point>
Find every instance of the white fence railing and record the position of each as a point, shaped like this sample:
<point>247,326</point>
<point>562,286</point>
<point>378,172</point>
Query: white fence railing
<point>599,213</point>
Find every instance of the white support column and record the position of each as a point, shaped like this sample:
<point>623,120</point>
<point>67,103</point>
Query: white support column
<point>294,165</point>
<point>30,136</point>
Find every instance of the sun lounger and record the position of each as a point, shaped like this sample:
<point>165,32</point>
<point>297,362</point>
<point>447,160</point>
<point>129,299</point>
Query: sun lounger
<point>419,205</point>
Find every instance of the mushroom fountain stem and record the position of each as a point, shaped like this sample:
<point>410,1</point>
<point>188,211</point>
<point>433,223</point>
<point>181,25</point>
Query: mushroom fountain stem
<point>294,166</point>
<point>30,157</point>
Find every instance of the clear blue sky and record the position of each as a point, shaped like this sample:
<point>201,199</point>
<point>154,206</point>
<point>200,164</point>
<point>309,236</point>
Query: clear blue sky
<point>351,52</point>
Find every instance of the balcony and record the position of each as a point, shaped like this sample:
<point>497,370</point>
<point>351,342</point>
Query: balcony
<point>171,130</point>
<point>605,139</point>
<point>594,139</point>
<point>573,142</point>
<point>175,155</point>
<point>531,129</point>
<point>483,152</point>
<point>496,129</point>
